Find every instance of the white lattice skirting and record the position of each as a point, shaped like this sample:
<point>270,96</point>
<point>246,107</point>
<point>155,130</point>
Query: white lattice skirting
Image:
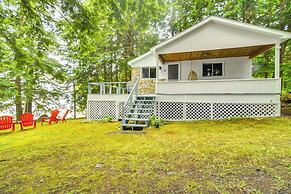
<point>97,110</point>
<point>202,111</point>
<point>183,111</point>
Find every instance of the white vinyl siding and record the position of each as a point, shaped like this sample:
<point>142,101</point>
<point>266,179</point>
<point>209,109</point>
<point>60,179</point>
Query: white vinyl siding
<point>147,61</point>
<point>233,68</point>
<point>216,36</point>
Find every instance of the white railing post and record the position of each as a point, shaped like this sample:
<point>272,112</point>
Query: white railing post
<point>157,75</point>
<point>118,88</point>
<point>277,60</point>
<point>101,88</point>
<point>110,88</point>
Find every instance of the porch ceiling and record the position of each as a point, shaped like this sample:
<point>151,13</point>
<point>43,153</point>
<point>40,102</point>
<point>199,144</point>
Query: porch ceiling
<point>250,51</point>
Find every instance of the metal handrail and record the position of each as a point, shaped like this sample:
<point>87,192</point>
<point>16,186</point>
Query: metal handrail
<point>128,101</point>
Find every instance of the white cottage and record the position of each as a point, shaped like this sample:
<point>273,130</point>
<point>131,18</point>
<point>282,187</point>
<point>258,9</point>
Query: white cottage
<point>204,72</point>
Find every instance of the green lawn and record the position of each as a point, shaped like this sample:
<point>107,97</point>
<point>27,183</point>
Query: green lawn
<point>246,155</point>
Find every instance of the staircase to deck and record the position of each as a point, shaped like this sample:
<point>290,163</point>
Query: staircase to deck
<point>137,109</point>
<point>138,116</point>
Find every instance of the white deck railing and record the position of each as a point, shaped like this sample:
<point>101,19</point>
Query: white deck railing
<point>230,86</point>
<point>108,87</point>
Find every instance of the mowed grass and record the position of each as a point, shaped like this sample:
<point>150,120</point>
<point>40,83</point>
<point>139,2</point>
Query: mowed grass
<point>242,155</point>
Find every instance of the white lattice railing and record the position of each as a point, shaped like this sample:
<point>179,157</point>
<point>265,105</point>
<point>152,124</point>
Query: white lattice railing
<point>230,86</point>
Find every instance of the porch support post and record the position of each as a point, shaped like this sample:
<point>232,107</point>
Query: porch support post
<point>277,60</point>
<point>277,71</point>
<point>157,72</point>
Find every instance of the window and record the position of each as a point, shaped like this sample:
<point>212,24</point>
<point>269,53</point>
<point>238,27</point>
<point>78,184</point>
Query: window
<point>148,72</point>
<point>212,69</point>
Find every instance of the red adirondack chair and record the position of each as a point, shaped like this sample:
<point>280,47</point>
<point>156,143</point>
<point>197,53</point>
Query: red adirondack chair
<point>27,119</point>
<point>6,122</point>
<point>64,117</point>
<point>52,118</point>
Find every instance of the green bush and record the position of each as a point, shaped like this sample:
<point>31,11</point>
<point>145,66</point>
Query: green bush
<point>156,122</point>
<point>107,119</point>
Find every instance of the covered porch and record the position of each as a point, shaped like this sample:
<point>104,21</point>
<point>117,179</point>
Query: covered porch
<point>218,71</point>
<point>215,57</point>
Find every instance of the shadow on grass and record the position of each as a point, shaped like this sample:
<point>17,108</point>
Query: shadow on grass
<point>9,131</point>
<point>6,133</point>
<point>27,129</point>
<point>130,132</point>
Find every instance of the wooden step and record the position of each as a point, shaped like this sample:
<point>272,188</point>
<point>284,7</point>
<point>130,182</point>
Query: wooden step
<point>124,126</point>
<point>136,119</point>
<point>138,113</point>
<point>151,105</point>
<point>144,100</point>
<point>141,109</point>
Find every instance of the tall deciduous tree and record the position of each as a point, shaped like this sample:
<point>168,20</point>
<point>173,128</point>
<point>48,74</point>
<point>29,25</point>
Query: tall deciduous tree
<point>28,38</point>
<point>104,35</point>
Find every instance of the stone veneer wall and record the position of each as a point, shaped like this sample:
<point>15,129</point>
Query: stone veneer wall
<point>146,86</point>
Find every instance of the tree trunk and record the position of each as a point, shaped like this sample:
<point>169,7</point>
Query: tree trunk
<point>111,67</point>
<point>74,99</point>
<point>104,71</point>
<point>28,106</point>
<point>29,91</point>
<point>18,104</point>
<point>116,72</point>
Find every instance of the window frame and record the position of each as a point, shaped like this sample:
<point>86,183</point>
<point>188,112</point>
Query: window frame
<point>213,62</point>
<point>149,68</point>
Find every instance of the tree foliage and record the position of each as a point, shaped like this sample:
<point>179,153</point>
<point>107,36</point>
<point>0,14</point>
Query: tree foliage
<point>28,38</point>
<point>110,33</point>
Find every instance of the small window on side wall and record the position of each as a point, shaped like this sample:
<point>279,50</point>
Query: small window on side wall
<point>145,72</point>
<point>212,69</point>
<point>148,72</point>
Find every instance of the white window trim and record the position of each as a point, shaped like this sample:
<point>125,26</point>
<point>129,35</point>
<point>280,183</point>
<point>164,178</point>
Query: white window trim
<point>179,71</point>
<point>213,76</point>
<point>149,67</point>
